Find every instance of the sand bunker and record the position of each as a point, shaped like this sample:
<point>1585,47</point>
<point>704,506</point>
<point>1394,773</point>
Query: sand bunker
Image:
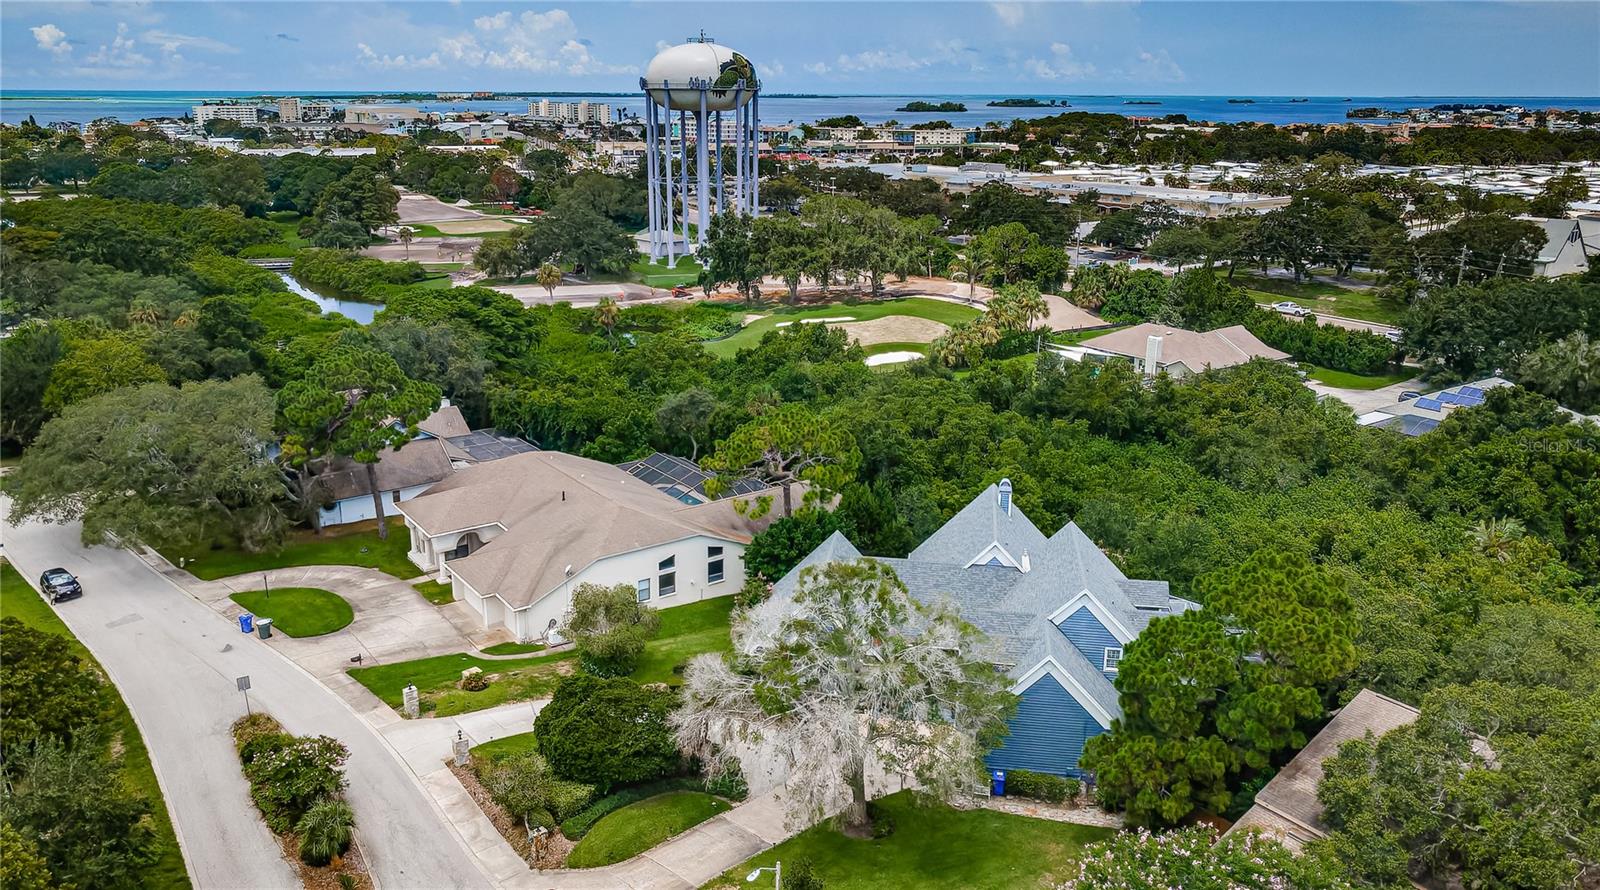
<point>895,329</point>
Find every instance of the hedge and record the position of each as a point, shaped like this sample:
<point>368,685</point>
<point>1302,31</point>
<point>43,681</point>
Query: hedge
<point>1326,344</point>
<point>578,826</point>
<point>1041,786</point>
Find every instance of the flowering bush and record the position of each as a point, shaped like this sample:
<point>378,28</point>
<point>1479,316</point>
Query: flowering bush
<point>1193,859</point>
<point>286,780</point>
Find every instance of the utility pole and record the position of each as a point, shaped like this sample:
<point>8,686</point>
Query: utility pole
<point>1462,268</point>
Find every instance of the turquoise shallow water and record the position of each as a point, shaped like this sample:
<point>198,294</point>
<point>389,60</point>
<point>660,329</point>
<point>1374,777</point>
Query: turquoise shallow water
<point>83,106</point>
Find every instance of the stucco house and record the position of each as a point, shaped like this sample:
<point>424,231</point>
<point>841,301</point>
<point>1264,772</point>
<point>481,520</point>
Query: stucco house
<point>514,537</point>
<point>1155,348</point>
<point>1057,608</point>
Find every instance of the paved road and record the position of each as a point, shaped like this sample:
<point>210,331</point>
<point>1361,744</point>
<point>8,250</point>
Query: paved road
<point>175,661</point>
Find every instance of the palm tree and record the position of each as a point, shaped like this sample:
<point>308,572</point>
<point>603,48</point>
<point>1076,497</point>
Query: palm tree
<point>405,235</point>
<point>143,312</point>
<point>187,319</point>
<point>548,276</point>
<point>969,267</point>
<point>1495,537</point>
<point>606,313</point>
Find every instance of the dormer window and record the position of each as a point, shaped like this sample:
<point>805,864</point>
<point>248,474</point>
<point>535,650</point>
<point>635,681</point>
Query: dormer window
<point>1112,658</point>
<point>1005,496</point>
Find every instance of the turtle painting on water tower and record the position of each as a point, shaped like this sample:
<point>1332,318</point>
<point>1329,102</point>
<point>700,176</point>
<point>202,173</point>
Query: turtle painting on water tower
<point>711,63</point>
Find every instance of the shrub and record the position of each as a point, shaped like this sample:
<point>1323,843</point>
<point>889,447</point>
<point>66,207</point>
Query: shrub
<point>882,821</point>
<point>525,787</point>
<point>263,744</point>
<point>350,273</point>
<point>755,590</point>
<point>325,831</point>
<point>286,780</point>
<point>1041,786</point>
<point>607,732</point>
<point>46,688</point>
<point>802,876</point>
<point>780,546</point>
<point>575,827</point>
<point>1325,344</point>
<point>477,681</point>
<point>609,628</point>
<point>728,782</point>
<point>248,729</point>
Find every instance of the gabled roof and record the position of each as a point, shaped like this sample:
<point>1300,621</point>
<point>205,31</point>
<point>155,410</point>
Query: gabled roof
<point>559,510</point>
<point>444,423</point>
<point>1013,606</point>
<point>418,462</point>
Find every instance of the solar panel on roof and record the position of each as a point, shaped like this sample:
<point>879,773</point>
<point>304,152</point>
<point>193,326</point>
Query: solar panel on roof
<point>1472,391</point>
<point>1450,398</point>
<point>1471,400</point>
<point>1416,426</point>
<point>1428,404</point>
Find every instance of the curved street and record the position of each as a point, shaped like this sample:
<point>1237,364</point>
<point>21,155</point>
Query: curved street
<point>175,661</point>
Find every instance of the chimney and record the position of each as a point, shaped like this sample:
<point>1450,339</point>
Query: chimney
<point>1027,564</point>
<point>1005,496</point>
<point>1152,355</point>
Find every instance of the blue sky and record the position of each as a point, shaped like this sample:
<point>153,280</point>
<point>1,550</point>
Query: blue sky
<point>1284,48</point>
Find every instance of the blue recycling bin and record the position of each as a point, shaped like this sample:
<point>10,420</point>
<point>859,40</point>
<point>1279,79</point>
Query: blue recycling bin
<point>247,623</point>
<point>997,783</point>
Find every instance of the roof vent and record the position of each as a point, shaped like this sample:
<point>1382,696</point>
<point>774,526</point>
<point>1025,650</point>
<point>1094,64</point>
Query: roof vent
<point>1027,564</point>
<point>1005,496</point>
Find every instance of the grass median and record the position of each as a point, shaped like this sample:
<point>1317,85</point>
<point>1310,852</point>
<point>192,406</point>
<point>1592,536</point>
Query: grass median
<point>299,611</point>
<point>639,826</point>
<point>917,307</point>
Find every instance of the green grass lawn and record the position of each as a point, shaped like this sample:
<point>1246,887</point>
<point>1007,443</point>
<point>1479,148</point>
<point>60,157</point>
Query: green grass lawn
<point>510,746</point>
<point>19,600</point>
<point>933,847</point>
<point>424,230</point>
<point>881,348</point>
<point>514,648</point>
<point>436,679</point>
<point>289,240</point>
<point>434,592</point>
<point>686,272</point>
<point>639,826</point>
<point>935,310</point>
<point>1073,338</point>
<point>685,631</point>
<point>299,611</point>
<point>1347,380</point>
<point>440,281</point>
<point>347,545</point>
<point>1323,299</point>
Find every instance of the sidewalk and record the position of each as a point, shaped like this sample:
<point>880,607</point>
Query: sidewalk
<point>394,623</point>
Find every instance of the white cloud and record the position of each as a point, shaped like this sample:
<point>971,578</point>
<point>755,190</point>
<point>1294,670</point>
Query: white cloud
<point>119,54</point>
<point>372,59</point>
<point>537,42</point>
<point>1061,65</point>
<point>51,39</point>
<point>771,69</point>
<point>1156,67</point>
<point>1010,14</point>
<point>171,43</point>
<point>817,68</point>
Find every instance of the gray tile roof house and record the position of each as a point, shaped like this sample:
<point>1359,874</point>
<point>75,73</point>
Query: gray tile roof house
<point>1175,350</point>
<point>1056,607</point>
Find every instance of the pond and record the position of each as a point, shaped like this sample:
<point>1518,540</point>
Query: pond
<point>355,310</point>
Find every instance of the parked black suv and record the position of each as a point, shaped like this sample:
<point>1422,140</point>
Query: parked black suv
<point>59,585</point>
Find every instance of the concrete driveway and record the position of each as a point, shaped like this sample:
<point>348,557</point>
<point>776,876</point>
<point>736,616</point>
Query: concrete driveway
<point>175,661</point>
<point>1362,401</point>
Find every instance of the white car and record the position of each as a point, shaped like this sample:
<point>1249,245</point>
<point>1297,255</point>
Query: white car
<point>1291,308</point>
<point>1393,336</point>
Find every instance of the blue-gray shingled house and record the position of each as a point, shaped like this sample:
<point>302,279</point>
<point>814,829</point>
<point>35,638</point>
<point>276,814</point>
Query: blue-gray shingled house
<point>1057,608</point>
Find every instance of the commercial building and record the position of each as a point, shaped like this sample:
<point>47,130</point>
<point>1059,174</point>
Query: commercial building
<point>387,115</point>
<point>477,131</point>
<point>1111,195</point>
<point>292,109</point>
<point>244,114</point>
<point>581,113</point>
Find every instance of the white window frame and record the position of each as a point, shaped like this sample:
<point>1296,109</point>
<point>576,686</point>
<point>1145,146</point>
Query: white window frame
<point>642,589</point>
<point>715,557</point>
<point>1107,664</point>
<point>667,569</point>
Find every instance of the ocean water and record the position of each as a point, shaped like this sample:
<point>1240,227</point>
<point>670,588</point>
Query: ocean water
<point>83,106</point>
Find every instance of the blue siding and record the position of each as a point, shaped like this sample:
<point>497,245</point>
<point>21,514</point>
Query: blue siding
<point>1047,732</point>
<point>1090,637</point>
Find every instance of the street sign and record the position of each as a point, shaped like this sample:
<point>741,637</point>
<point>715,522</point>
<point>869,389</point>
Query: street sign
<point>244,683</point>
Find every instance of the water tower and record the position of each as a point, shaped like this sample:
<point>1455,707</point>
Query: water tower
<point>699,81</point>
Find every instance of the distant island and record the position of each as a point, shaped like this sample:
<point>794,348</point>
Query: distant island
<point>1241,101</point>
<point>1029,103</point>
<point>1369,113</point>
<point>919,105</point>
<point>1141,102</point>
<point>1299,100</point>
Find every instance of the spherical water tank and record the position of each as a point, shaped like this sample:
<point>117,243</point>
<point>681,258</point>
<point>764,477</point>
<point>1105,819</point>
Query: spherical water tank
<point>673,69</point>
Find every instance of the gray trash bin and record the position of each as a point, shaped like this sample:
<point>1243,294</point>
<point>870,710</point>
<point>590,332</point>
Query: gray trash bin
<point>264,627</point>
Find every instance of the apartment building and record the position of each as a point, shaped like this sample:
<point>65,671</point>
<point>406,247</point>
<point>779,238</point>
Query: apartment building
<point>244,114</point>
